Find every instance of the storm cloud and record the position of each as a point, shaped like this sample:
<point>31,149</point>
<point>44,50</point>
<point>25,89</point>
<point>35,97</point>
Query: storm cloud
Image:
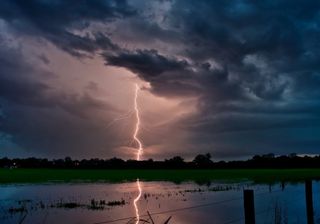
<point>252,69</point>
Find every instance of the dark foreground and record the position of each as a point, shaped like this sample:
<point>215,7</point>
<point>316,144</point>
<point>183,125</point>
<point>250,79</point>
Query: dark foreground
<point>8,176</point>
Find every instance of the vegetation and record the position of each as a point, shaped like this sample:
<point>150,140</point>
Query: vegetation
<point>265,168</point>
<point>26,205</point>
<point>177,162</point>
<point>8,176</point>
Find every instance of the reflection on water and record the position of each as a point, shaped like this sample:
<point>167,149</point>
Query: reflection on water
<point>130,203</point>
<point>135,201</point>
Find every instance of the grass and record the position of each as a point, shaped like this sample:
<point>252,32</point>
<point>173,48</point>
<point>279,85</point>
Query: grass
<point>11,176</point>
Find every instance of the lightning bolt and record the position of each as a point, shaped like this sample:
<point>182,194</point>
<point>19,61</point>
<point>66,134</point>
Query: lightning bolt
<point>140,148</point>
<point>137,128</point>
<point>125,116</point>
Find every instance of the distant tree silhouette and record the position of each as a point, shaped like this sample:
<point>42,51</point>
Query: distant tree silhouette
<point>68,162</point>
<point>175,162</point>
<point>268,156</point>
<point>293,155</point>
<point>203,160</point>
<point>177,159</point>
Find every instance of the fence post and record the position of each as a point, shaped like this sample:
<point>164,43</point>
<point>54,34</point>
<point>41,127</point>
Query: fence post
<point>309,202</point>
<point>249,206</point>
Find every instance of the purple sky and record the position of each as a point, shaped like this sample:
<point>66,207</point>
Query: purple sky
<point>232,78</point>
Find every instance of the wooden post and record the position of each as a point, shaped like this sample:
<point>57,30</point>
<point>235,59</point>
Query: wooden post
<point>309,202</point>
<point>249,206</point>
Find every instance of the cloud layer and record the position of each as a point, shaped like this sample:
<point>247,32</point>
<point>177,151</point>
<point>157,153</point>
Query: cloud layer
<point>250,68</point>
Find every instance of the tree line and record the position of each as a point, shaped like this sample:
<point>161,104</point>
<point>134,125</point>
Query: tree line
<point>201,161</point>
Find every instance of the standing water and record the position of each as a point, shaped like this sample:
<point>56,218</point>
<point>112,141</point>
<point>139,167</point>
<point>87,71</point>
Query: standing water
<point>213,202</point>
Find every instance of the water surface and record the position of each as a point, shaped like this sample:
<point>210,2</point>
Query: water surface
<point>188,202</point>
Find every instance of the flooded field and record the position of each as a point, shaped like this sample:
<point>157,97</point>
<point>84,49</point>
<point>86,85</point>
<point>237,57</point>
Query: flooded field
<point>154,202</point>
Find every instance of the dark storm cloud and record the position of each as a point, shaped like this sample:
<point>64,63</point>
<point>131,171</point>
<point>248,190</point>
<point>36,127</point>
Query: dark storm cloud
<point>40,119</point>
<point>146,62</point>
<point>36,116</point>
<point>253,65</point>
<point>18,85</point>
<point>168,76</point>
<point>57,19</point>
<point>22,92</point>
<point>63,13</point>
<point>44,59</point>
<point>229,33</point>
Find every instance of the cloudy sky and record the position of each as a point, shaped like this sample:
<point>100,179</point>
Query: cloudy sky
<point>234,78</point>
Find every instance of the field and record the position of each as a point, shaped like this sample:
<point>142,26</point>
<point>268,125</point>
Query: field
<point>8,176</point>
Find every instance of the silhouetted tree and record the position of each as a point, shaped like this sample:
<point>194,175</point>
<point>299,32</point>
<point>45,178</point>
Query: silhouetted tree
<point>268,156</point>
<point>203,160</point>
<point>68,162</point>
<point>293,155</point>
<point>175,162</point>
